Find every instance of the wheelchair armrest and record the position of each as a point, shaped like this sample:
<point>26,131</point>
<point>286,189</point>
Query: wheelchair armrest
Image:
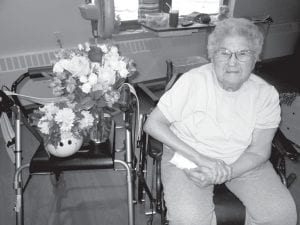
<point>284,146</point>
<point>155,148</point>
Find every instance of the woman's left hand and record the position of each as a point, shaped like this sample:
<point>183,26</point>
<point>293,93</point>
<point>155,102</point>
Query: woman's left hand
<point>201,176</point>
<point>222,172</point>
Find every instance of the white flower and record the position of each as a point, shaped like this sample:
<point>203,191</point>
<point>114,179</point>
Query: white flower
<point>58,91</point>
<point>112,97</point>
<point>71,85</point>
<point>87,120</point>
<point>95,67</point>
<point>114,63</point>
<point>101,86</point>
<point>71,105</point>
<point>110,58</point>
<point>50,107</point>
<point>93,78</point>
<point>107,75</point>
<point>50,110</point>
<point>104,48</point>
<point>59,66</point>
<point>80,47</point>
<point>65,117</point>
<point>66,135</point>
<point>83,79</point>
<point>114,50</point>
<point>123,73</point>
<point>44,127</point>
<point>86,88</point>
<point>87,46</point>
<point>66,127</point>
<point>122,69</point>
<point>77,65</point>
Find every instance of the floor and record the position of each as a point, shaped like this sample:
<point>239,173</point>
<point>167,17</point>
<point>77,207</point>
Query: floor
<point>97,197</point>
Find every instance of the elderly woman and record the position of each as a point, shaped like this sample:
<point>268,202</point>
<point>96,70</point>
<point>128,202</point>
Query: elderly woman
<point>217,124</point>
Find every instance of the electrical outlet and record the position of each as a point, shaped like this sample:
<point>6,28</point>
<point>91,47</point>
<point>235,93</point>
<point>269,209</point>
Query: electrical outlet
<point>58,38</point>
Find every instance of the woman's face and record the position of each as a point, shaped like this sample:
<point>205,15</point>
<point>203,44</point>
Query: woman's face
<point>231,73</point>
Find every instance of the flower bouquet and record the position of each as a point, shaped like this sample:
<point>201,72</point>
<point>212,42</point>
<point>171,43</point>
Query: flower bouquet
<point>88,80</point>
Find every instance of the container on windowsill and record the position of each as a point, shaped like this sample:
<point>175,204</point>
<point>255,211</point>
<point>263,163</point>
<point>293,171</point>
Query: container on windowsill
<point>173,18</point>
<point>157,20</point>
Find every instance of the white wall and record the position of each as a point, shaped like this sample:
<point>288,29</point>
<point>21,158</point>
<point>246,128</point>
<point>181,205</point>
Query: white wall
<point>282,11</point>
<point>283,33</point>
<point>28,25</point>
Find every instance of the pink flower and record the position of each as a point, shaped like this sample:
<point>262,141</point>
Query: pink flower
<point>95,54</point>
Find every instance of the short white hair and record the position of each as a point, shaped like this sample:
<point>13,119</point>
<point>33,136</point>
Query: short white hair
<point>235,27</point>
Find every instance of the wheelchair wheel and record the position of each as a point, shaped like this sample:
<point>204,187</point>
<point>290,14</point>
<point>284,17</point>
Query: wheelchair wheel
<point>159,192</point>
<point>163,214</point>
<point>150,188</point>
<point>142,143</point>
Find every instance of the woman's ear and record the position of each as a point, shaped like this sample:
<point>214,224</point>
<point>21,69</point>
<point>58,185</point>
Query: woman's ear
<point>256,59</point>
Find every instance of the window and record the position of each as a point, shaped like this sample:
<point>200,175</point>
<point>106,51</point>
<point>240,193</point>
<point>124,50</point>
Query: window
<point>202,6</point>
<point>128,10</point>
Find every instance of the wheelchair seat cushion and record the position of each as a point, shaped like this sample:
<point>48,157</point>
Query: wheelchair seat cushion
<point>229,209</point>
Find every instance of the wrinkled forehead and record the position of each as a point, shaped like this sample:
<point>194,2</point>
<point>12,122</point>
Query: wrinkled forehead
<point>234,43</point>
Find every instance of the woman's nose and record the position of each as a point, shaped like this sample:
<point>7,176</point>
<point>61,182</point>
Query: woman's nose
<point>232,60</point>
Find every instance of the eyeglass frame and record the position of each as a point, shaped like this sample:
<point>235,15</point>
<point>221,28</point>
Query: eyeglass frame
<point>236,53</point>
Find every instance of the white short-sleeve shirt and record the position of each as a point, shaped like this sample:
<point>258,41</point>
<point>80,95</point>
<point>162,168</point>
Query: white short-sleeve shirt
<point>215,122</point>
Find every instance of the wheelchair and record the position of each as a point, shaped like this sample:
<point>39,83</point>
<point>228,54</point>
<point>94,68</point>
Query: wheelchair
<point>229,210</point>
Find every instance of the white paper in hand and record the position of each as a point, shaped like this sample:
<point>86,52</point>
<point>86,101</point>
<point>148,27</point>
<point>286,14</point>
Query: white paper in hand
<point>182,162</point>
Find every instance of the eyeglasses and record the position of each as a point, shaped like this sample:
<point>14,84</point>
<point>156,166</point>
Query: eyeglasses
<point>224,54</point>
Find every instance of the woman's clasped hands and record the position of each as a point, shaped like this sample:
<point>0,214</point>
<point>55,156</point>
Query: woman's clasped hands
<point>214,172</point>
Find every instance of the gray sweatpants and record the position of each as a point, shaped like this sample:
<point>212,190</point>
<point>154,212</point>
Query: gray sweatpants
<point>267,200</point>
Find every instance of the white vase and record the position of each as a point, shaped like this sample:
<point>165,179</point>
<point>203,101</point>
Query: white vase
<point>66,147</point>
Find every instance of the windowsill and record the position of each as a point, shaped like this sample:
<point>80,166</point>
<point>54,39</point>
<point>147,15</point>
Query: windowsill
<point>146,32</point>
<point>132,34</point>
